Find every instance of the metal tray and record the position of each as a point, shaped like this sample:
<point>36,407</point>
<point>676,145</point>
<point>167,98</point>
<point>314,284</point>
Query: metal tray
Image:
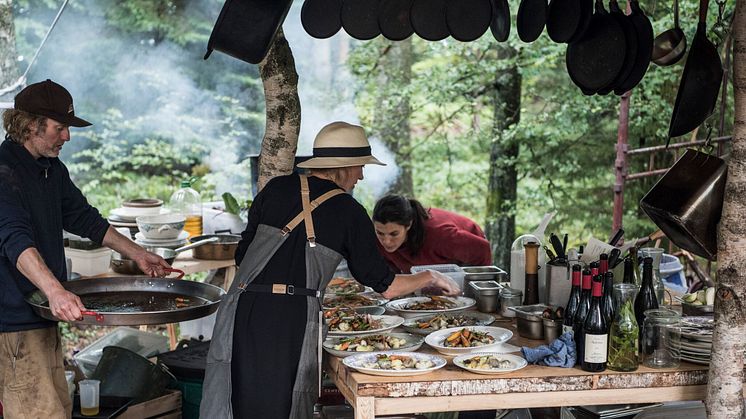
<point>210,295</point>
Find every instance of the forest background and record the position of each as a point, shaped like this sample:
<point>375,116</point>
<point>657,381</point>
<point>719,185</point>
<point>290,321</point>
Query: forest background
<point>495,131</point>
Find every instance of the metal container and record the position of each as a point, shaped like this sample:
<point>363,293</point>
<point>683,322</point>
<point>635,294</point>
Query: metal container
<point>530,323</point>
<point>223,249</point>
<point>552,329</point>
<point>482,273</point>
<point>487,294</point>
<point>509,297</point>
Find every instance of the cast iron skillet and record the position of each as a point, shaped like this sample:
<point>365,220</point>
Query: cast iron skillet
<point>500,25</point>
<point>467,20</point>
<point>321,18</point>
<point>563,19</point>
<point>586,11</point>
<point>630,35</point>
<point>429,19</point>
<point>700,82</point>
<point>594,60</point>
<point>360,18</point>
<point>531,18</point>
<point>393,19</point>
<point>644,49</point>
<point>245,29</point>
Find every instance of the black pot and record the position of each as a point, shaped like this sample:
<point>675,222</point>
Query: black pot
<point>245,29</point>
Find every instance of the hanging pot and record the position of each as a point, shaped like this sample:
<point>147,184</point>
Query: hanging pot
<point>530,20</point>
<point>500,23</point>
<point>360,18</point>
<point>321,18</point>
<point>630,36</point>
<point>686,202</point>
<point>245,29</point>
<point>428,19</point>
<point>393,19</point>
<point>644,30</point>
<point>565,17</point>
<point>700,82</point>
<point>467,20</point>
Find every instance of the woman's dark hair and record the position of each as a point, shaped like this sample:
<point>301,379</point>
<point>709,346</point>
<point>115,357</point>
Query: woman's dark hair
<point>403,211</point>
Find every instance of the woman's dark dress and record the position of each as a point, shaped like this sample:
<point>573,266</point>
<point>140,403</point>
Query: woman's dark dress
<point>269,328</point>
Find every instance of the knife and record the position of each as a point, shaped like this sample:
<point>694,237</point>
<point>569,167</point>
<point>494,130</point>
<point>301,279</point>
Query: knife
<point>557,245</point>
<point>615,238</point>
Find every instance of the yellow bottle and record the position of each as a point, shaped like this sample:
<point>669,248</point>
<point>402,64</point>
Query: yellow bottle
<point>188,202</point>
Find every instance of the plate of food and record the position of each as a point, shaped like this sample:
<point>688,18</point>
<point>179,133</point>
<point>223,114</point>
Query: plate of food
<point>392,342</point>
<point>424,325</point>
<point>418,306</point>
<point>343,322</point>
<point>394,364</point>
<point>346,286</point>
<point>352,301</point>
<point>489,363</point>
<point>467,340</point>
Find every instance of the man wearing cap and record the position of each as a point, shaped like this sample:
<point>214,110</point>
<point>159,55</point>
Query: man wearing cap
<point>38,201</point>
<point>264,355</point>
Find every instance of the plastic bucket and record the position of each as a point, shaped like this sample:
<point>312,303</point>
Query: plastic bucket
<point>672,272</point>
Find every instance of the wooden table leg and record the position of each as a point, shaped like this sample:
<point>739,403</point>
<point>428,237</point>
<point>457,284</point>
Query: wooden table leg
<point>230,273</point>
<point>365,408</point>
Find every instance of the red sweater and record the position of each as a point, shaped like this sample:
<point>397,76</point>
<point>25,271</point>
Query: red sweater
<point>449,238</point>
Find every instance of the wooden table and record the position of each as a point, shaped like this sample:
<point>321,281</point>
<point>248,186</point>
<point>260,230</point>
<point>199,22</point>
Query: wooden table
<point>454,389</point>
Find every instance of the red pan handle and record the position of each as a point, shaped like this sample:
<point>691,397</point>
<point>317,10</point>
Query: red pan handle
<point>177,271</point>
<point>99,316</point>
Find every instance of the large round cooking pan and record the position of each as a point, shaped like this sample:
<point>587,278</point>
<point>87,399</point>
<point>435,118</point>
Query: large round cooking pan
<point>500,24</point>
<point>467,20</point>
<point>321,18</point>
<point>630,35</point>
<point>118,294</point>
<point>429,19</point>
<point>393,19</point>
<point>645,38</point>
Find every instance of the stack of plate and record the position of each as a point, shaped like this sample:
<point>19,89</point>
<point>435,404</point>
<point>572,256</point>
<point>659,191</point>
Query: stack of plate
<point>179,241</point>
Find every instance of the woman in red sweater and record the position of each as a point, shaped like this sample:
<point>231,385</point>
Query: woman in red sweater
<point>409,235</point>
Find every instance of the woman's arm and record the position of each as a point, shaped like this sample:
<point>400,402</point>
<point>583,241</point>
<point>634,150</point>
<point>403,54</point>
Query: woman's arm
<point>407,284</point>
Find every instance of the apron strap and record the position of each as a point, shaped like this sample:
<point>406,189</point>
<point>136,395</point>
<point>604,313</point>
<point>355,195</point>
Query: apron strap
<point>308,207</point>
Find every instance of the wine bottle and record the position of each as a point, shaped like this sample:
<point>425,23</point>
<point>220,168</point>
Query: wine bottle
<point>645,299</point>
<point>594,269</point>
<point>581,313</point>
<point>607,302</point>
<point>603,263</point>
<point>629,274</point>
<point>595,333</point>
<point>574,301</point>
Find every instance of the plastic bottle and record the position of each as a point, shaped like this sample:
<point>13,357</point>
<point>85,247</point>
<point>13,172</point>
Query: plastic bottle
<point>187,201</point>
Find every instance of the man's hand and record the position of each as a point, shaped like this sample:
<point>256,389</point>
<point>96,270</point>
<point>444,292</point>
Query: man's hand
<point>65,305</point>
<point>151,264</point>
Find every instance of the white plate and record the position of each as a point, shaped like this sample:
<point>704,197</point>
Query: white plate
<point>357,362</point>
<point>130,213</point>
<point>413,344</point>
<point>375,300</point>
<point>410,324</point>
<point>516,363</point>
<point>400,306</point>
<point>388,323</point>
<point>117,223</point>
<point>435,339</point>
<point>181,237</point>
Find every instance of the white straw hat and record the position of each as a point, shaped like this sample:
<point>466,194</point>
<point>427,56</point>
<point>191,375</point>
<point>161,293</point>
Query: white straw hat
<point>340,144</point>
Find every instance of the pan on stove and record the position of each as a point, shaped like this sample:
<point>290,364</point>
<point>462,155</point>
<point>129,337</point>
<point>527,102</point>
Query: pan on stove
<point>393,19</point>
<point>132,301</point>
<point>500,24</point>
<point>321,18</point>
<point>467,20</point>
<point>428,19</point>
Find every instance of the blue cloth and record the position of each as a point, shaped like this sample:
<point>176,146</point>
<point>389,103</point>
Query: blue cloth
<point>560,353</point>
<point>37,201</point>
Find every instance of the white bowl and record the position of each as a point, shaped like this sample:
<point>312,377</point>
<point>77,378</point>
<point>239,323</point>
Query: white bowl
<point>436,339</point>
<point>165,226</point>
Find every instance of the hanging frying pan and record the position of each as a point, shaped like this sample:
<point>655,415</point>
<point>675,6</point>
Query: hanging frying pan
<point>321,18</point>
<point>393,19</point>
<point>594,60</point>
<point>467,20</point>
<point>531,18</point>
<point>630,34</point>
<point>360,18</point>
<point>644,31</point>
<point>245,29</point>
<point>700,82</point>
<point>586,11</point>
<point>563,19</point>
<point>500,24</point>
<point>429,19</point>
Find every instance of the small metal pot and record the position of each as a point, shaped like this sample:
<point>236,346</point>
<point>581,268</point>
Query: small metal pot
<point>123,265</point>
<point>223,249</point>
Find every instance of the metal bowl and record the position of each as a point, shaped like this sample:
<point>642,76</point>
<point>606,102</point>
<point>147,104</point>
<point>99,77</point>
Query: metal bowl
<point>223,249</point>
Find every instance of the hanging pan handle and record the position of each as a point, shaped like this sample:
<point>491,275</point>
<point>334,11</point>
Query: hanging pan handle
<point>176,271</point>
<point>99,316</point>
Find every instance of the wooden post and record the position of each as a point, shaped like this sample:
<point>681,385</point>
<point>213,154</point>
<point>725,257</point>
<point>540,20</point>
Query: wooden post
<point>620,163</point>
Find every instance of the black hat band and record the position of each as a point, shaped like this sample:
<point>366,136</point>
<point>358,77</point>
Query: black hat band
<point>341,152</point>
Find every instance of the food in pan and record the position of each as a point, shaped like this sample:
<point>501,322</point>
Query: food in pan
<point>398,362</point>
<point>344,286</point>
<point>341,320</point>
<point>466,338</point>
<point>137,301</point>
<point>487,362</point>
<point>349,301</point>
<point>445,321</point>
<point>370,343</point>
<point>434,303</point>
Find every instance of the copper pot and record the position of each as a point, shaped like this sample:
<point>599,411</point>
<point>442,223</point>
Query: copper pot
<point>223,249</point>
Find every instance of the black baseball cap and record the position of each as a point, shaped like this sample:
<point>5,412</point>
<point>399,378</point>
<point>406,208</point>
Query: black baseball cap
<point>49,99</point>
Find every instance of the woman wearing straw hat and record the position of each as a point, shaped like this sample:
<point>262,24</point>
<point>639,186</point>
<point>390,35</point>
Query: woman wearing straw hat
<point>264,356</point>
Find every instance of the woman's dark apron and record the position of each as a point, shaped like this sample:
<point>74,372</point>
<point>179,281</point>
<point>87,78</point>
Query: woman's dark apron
<point>321,262</point>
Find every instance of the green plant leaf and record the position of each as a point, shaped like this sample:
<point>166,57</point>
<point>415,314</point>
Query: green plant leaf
<point>231,204</point>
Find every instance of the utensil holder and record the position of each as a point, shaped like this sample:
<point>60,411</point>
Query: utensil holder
<point>558,286</point>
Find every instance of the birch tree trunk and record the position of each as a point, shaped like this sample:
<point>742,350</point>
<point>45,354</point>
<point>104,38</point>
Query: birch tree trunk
<point>282,125</point>
<point>8,67</point>
<point>503,178</point>
<point>726,376</point>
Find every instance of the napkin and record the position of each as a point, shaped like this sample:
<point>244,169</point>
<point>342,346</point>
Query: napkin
<point>560,353</point>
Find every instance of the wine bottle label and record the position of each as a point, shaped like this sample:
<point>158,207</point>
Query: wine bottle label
<point>595,348</point>
<point>566,328</point>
